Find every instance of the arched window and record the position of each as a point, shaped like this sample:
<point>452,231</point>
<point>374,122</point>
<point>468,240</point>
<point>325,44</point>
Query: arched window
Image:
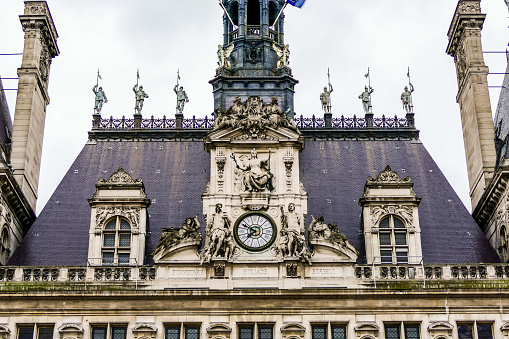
<point>5,246</point>
<point>234,12</point>
<point>116,244</point>
<point>253,13</point>
<point>393,240</point>
<point>272,13</point>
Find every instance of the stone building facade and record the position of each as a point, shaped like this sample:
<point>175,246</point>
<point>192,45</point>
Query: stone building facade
<point>290,227</point>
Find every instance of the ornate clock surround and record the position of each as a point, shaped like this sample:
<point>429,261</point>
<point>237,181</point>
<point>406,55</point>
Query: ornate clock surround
<point>264,232</point>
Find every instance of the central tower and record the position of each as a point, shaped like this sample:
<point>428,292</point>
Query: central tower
<point>253,59</point>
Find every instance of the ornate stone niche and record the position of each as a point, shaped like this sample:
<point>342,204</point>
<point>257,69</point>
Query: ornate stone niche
<point>390,202</point>
<point>4,331</point>
<point>219,331</point>
<point>70,331</point>
<point>144,331</point>
<point>440,329</point>
<point>293,331</point>
<point>121,198</point>
<point>367,330</point>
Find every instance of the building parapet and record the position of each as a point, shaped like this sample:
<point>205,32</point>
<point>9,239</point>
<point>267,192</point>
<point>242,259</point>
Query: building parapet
<point>404,276</point>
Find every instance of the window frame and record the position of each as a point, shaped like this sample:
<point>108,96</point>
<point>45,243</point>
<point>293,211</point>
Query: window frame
<point>393,247</point>
<point>182,329</point>
<point>328,328</point>
<point>256,326</point>
<point>36,327</point>
<point>116,253</point>
<point>109,329</point>
<point>402,328</point>
<point>475,327</point>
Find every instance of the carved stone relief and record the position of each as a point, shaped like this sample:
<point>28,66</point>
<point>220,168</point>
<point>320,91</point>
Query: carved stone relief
<point>120,177</point>
<point>388,176</point>
<point>404,212</point>
<point>173,237</point>
<point>254,54</point>
<point>220,162</point>
<point>288,169</point>
<point>469,7</point>
<point>132,214</point>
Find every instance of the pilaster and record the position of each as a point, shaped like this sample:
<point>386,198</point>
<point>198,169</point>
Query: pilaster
<point>30,113</point>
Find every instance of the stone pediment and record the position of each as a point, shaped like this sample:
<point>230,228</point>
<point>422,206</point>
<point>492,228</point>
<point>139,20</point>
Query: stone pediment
<point>268,135</point>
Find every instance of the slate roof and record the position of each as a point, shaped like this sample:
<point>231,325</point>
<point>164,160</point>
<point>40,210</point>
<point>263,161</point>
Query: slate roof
<point>175,174</point>
<point>5,119</point>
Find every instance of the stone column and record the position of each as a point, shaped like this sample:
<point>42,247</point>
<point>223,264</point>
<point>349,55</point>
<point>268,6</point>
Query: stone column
<point>30,112</point>
<point>473,96</point>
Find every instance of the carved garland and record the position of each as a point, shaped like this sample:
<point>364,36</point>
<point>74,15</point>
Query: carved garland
<point>377,213</point>
<point>388,176</point>
<point>120,177</point>
<point>132,214</point>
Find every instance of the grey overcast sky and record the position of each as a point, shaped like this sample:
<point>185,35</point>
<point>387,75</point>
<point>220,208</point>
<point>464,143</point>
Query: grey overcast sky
<point>161,36</point>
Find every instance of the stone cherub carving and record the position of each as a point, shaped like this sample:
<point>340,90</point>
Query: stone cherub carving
<point>256,173</point>
<point>366,98</point>
<point>406,98</point>
<point>319,230</point>
<point>283,54</point>
<point>140,97</point>
<point>172,237</point>
<point>223,53</point>
<point>100,98</point>
<point>219,237</point>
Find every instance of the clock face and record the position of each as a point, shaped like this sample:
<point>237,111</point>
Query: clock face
<point>255,231</point>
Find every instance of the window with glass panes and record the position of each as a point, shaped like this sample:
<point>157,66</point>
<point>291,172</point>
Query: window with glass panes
<point>174,331</point>
<point>400,331</point>
<point>320,331</point>
<point>115,331</point>
<point>43,331</point>
<point>116,245</point>
<point>255,331</point>
<point>475,330</point>
<point>393,240</point>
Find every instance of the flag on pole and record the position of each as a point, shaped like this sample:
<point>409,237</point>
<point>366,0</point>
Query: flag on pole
<point>138,73</point>
<point>99,75</point>
<point>296,3</point>
<point>367,74</point>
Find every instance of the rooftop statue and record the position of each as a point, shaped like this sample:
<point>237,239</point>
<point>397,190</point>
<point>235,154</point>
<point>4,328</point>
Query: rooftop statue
<point>366,98</point>
<point>283,54</point>
<point>182,97</point>
<point>256,173</point>
<point>223,53</point>
<point>325,99</point>
<point>406,98</point>
<point>140,94</point>
<point>100,98</point>
<point>318,231</point>
<point>325,96</point>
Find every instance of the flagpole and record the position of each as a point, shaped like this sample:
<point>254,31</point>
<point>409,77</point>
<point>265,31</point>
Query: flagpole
<point>224,9</point>
<point>280,12</point>
<point>330,99</point>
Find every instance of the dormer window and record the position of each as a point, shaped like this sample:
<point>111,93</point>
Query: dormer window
<point>393,240</point>
<point>118,222</point>
<point>392,233</point>
<point>116,242</point>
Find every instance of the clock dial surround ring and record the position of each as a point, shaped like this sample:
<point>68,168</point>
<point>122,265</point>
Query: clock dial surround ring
<point>255,231</point>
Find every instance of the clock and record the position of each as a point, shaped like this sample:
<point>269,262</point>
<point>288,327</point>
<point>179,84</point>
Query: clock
<point>255,231</point>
